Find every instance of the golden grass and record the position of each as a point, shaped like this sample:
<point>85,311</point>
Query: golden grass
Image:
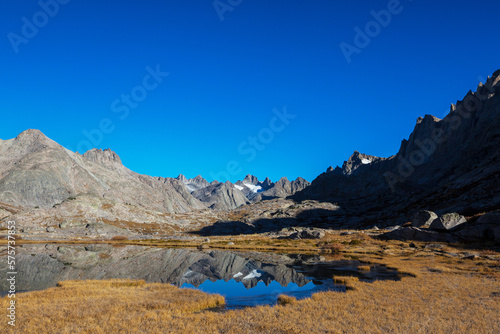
<point>364,268</point>
<point>438,294</point>
<point>284,300</point>
<point>430,303</point>
<point>112,306</point>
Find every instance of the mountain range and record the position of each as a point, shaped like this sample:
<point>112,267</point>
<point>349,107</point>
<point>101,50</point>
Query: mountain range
<point>446,165</point>
<point>36,172</point>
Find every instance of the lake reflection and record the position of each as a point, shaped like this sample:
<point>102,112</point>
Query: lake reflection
<point>244,278</point>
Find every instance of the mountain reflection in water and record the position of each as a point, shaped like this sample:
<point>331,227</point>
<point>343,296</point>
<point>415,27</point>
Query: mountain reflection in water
<point>244,278</point>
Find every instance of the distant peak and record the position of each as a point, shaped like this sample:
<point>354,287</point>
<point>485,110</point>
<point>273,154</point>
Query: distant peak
<point>494,80</point>
<point>34,139</point>
<point>267,182</point>
<point>103,157</point>
<point>283,180</point>
<point>181,178</point>
<point>31,134</point>
<point>251,179</point>
<point>428,119</point>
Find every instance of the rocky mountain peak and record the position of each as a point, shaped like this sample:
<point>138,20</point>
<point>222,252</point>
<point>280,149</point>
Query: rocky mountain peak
<point>199,178</point>
<point>103,157</point>
<point>282,181</point>
<point>356,160</point>
<point>181,178</point>
<point>250,179</point>
<point>267,183</point>
<point>33,139</point>
<point>31,133</point>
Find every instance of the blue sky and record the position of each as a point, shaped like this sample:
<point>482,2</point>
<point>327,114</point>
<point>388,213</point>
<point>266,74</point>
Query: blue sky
<point>86,68</point>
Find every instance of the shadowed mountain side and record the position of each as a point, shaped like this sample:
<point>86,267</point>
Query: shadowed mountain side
<point>446,165</point>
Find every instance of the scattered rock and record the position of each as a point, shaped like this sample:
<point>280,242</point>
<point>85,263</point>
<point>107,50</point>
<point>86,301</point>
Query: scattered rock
<point>423,218</point>
<point>65,224</point>
<point>308,233</point>
<point>414,233</point>
<point>470,256</point>
<point>230,243</point>
<point>447,222</point>
<point>428,246</point>
<point>487,227</point>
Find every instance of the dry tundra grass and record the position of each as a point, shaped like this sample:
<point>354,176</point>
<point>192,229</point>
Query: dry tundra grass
<point>446,296</point>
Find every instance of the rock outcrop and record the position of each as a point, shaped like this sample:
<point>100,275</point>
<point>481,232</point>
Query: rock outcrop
<point>447,222</point>
<point>257,191</point>
<point>446,165</point>
<point>423,218</point>
<point>193,184</point>
<point>37,172</point>
<point>221,196</point>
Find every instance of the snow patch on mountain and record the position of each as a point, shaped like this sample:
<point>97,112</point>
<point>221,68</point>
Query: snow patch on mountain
<point>253,188</point>
<point>254,274</point>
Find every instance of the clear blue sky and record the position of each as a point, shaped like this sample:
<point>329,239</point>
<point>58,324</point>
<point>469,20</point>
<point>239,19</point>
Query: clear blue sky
<point>226,77</point>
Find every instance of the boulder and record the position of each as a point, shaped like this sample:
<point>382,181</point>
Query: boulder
<point>423,218</point>
<point>487,227</point>
<point>414,233</point>
<point>308,233</point>
<point>492,218</point>
<point>447,222</point>
<point>65,224</point>
<point>51,229</point>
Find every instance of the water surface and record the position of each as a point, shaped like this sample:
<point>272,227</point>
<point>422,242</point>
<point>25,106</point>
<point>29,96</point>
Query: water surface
<point>243,278</point>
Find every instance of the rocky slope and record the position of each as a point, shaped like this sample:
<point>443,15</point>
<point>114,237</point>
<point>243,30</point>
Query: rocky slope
<point>282,189</point>
<point>446,165</point>
<point>256,190</point>
<point>195,183</point>
<point>37,172</point>
<point>221,196</point>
